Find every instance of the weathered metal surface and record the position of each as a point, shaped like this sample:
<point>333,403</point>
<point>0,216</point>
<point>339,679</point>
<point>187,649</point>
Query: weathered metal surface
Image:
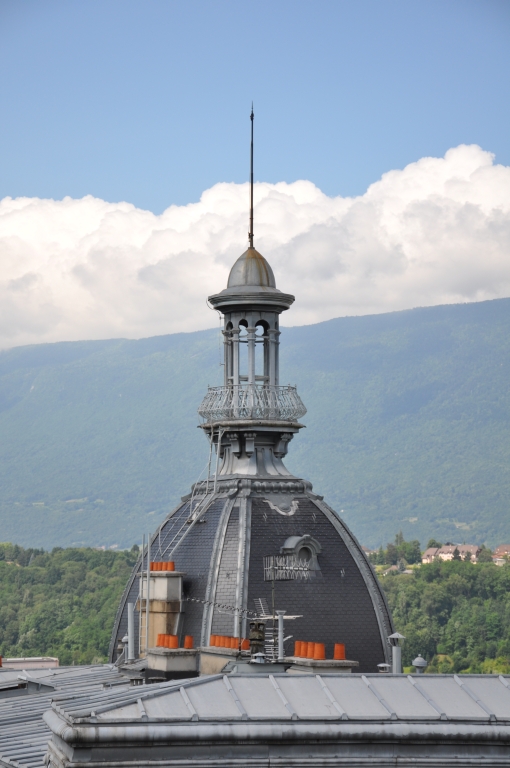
<point>292,722</point>
<point>360,697</point>
<point>23,733</point>
<point>251,269</point>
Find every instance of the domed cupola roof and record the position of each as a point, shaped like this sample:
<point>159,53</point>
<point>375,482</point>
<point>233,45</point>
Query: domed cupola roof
<point>251,269</point>
<point>251,283</point>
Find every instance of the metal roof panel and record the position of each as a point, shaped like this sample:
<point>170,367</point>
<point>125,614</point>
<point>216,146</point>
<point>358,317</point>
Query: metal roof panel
<point>403,698</point>
<point>259,697</point>
<point>455,702</point>
<point>355,697</point>
<point>495,697</point>
<point>307,697</point>
<point>213,701</point>
<point>171,707</point>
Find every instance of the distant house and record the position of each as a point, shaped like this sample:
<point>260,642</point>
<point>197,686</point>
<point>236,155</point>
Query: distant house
<point>368,551</point>
<point>446,552</point>
<point>429,555</point>
<point>502,550</point>
<point>501,554</point>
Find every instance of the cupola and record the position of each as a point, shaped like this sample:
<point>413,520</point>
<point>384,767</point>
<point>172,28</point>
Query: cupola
<point>251,269</point>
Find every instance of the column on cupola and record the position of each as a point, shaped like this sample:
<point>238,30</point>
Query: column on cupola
<point>227,354</point>
<point>273,344</point>
<point>266,357</point>
<point>251,355</point>
<point>235,357</point>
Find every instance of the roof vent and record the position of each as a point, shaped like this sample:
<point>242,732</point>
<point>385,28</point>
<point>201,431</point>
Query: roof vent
<point>420,664</point>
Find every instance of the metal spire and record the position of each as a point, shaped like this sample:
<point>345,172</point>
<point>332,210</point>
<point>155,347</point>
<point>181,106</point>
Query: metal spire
<point>250,233</point>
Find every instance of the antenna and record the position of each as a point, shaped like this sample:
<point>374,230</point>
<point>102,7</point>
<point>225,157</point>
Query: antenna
<point>250,233</point>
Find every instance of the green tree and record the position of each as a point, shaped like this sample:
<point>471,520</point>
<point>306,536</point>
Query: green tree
<point>456,613</point>
<point>391,554</point>
<point>485,555</point>
<point>60,603</point>
<point>410,551</point>
<point>434,544</point>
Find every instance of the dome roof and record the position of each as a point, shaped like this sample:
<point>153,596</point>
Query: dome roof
<point>251,269</point>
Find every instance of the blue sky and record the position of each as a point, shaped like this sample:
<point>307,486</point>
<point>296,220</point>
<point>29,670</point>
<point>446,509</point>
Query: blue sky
<point>148,101</point>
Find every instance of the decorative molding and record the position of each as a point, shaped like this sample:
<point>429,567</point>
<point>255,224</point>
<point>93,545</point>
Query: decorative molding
<point>249,442</point>
<point>232,485</point>
<point>282,446</point>
<point>235,445</point>
<point>285,511</point>
<point>279,486</point>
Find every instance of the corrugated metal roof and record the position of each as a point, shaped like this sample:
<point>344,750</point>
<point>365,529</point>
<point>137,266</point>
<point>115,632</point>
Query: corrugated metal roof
<point>98,694</point>
<point>289,697</point>
<point>24,735</point>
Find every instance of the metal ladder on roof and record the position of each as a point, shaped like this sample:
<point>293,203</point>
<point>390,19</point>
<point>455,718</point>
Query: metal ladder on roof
<point>262,607</point>
<point>190,520</point>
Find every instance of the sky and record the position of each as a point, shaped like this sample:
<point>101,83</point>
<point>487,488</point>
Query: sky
<point>381,160</point>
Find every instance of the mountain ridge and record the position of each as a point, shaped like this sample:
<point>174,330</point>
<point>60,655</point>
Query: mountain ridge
<point>407,427</point>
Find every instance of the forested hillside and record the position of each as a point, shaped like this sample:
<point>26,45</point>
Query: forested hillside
<point>407,427</point>
<point>62,603</point>
<point>456,614</point>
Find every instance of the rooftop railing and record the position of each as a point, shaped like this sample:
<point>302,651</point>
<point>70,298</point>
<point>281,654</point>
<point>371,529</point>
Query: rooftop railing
<point>249,401</point>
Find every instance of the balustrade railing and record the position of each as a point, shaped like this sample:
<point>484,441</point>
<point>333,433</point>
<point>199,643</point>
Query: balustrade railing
<point>249,401</point>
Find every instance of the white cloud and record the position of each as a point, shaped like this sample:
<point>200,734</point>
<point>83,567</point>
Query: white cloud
<point>436,232</point>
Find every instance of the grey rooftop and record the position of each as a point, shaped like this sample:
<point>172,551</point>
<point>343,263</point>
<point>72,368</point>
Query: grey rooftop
<point>294,722</point>
<point>379,719</point>
<point>24,735</point>
<point>283,697</point>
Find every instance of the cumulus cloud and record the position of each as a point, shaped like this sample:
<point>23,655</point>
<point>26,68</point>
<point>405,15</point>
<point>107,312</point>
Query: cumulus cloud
<point>436,232</point>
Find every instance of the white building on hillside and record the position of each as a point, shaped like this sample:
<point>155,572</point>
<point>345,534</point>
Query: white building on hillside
<point>466,552</point>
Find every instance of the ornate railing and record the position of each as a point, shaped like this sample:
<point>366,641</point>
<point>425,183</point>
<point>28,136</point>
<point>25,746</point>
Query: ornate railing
<point>247,401</point>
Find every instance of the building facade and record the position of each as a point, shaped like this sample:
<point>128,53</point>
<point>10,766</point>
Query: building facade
<point>251,507</point>
<point>465,551</point>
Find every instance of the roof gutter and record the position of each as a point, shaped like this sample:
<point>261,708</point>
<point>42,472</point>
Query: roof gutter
<point>292,731</point>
